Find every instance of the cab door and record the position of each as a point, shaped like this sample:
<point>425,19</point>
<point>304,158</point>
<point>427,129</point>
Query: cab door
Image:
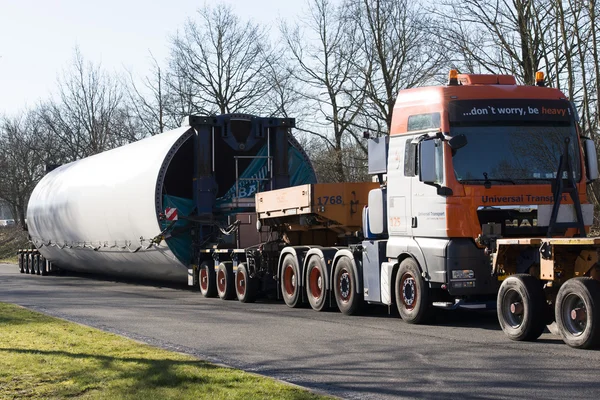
<point>401,172</point>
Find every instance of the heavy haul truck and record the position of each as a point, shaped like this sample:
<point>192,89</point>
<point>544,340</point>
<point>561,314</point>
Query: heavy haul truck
<point>479,192</point>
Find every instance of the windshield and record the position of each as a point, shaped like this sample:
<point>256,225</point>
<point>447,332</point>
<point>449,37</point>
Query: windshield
<point>514,154</point>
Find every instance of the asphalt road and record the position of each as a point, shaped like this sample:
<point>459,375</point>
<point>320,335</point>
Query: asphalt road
<point>374,356</point>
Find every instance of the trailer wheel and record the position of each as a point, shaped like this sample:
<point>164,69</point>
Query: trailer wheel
<point>206,280</point>
<point>27,264</point>
<point>522,308</point>
<point>316,291</point>
<point>412,293</point>
<point>21,263</point>
<point>345,284</point>
<point>290,278</point>
<point>577,312</point>
<point>246,288</point>
<point>36,262</point>
<point>43,266</point>
<point>225,281</point>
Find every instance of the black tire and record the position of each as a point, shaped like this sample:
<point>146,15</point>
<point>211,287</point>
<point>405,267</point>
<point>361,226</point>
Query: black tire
<point>345,284</point>
<point>246,288</point>
<point>413,296</point>
<point>21,263</point>
<point>37,263</point>
<point>225,281</point>
<point>28,264</point>
<point>290,281</point>
<point>207,279</point>
<point>577,312</point>
<point>316,290</point>
<point>43,266</point>
<point>522,307</point>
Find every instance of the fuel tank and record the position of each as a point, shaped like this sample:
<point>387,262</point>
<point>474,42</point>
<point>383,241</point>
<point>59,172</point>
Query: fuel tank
<point>105,213</point>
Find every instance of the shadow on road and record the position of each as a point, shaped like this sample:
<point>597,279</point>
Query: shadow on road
<point>126,280</point>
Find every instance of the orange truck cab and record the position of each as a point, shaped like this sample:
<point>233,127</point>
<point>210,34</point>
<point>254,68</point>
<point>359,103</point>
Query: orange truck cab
<point>465,164</point>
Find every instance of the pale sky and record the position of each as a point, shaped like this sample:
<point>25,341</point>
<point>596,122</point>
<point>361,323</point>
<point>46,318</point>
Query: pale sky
<point>38,37</point>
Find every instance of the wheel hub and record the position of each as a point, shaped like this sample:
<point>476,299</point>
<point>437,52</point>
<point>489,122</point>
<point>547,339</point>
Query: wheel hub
<point>240,283</point>
<point>289,280</point>
<point>516,308</point>
<point>221,281</point>
<point>345,285</point>
<point>409,291</point>
<point>316,283</point>
<point>579,314</point>
<point>574,314</point>
<point>203,279</point>
<point>513,309</point>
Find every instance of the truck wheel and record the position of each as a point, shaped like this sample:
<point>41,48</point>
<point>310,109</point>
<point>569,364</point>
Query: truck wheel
<point>316,291</point>
<point>345,284</point>
<point>225,281</point>
<point>206,280</point>
<point>522,307</point>
<point>412,293</point>
<point>577,312</point>
<point>21,263</point>
<point>246,288</point>
<point>290,277</point>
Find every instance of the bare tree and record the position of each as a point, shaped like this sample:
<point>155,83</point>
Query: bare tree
<point>323,159</point>
<point>399,43</point>
<point>521,37</point>
<point>330,83</point>
<point>148,101</point>
<point>284,97</point>
<point>495,36</point>
<point>89,116</point>
<point>22,160</point>
<point>217,63</point>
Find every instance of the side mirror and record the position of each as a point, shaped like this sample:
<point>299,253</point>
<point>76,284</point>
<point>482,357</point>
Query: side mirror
<point>427,172</point>
<point>591,160</point>
<point>457,142</point>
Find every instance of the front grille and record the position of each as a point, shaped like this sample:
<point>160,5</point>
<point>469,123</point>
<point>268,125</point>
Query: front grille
<point>514,222</point>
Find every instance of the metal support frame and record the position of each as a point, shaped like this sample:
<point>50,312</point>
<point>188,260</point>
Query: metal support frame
<point>566,186</point>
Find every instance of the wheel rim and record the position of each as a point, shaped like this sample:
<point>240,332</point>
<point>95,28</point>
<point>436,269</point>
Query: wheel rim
<point>574,314</point>
<point>345,285</point>
<point>240,283</point>
<point>221,281</point>
<point>315,283</point>
<point>409,291</point>
<point>289,280</point>
<point>512,308</point>
<point>204,279</point>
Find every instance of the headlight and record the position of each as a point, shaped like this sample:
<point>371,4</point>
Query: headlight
<point>463,274</point>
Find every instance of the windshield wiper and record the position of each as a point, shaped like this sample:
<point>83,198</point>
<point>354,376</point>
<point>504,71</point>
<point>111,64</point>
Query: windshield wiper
<point>487,182</point>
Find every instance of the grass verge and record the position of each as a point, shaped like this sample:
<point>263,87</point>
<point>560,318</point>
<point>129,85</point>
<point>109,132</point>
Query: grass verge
<point>45,357</point>
<point>12,238</point>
